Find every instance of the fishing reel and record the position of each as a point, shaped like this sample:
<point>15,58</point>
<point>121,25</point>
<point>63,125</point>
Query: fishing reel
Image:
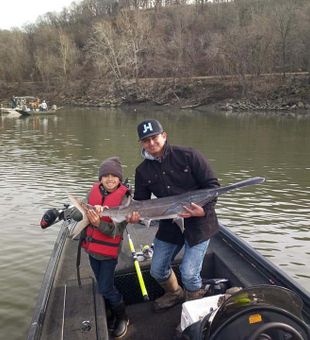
<point>52,216</point>
<point>146,253</point>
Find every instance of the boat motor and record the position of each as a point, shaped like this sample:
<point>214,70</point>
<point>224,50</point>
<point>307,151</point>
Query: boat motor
<point>52,216</point>
<point>253,313</point>
<point>49,218</point>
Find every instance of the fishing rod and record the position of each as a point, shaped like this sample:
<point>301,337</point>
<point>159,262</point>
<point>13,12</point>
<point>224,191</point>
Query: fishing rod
<point>137,267</point>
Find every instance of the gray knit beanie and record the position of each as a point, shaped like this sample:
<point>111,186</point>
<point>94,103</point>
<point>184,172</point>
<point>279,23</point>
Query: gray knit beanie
<point>111,166</point>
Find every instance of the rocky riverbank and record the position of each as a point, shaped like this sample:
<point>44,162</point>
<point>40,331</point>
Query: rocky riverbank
<point>274,94</point>
<point>281,105</point>
<point>284,99</point>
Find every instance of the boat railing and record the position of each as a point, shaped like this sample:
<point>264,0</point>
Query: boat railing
<point>273,273</point>
<point>46,287</point>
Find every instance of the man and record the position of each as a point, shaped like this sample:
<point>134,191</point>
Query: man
<point>170,170</point>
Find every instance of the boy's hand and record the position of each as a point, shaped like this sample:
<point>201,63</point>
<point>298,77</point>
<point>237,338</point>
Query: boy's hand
<point>99,208</point>
<point>93,217</point>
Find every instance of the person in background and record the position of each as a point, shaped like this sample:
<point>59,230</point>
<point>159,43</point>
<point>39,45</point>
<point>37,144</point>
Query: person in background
<point>36,104</point>
<point>171,170</point>
<point>43,106</point>
<point>13,102</point>
<point>102,239</point>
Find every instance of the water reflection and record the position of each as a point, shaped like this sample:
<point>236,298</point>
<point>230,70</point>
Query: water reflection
<point>44,157</point>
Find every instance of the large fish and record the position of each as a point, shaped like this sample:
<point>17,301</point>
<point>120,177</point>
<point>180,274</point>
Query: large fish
<point>158,208</point>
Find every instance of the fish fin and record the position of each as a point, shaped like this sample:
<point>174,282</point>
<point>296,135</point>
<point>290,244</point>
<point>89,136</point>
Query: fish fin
<point>180,222</point>
<point>127,202</point>
<point>81,224</point>
<point>76,230</point>
<point>147,222</point>
<point>77,203</point>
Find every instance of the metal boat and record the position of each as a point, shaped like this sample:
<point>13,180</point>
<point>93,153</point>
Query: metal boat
<point>66,311</point>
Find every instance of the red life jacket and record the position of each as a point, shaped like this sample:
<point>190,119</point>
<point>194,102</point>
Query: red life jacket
<point>95,241</point>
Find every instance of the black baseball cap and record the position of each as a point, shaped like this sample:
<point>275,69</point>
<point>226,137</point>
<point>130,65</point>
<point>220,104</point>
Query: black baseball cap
<point>148,128</point>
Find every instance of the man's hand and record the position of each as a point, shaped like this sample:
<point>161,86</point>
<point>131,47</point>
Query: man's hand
<point>133,218</point>
<point>195,210</point>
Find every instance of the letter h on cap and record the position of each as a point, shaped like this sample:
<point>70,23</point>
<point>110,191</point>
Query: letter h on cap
<point>147,127</point>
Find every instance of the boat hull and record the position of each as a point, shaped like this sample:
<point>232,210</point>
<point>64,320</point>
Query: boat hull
<point>38,113</point>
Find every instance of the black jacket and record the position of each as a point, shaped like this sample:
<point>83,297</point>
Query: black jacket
<point>180,170</point>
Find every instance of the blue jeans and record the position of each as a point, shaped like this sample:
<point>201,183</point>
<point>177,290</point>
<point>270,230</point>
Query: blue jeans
<point>191,265</point>
<point>104,272</point>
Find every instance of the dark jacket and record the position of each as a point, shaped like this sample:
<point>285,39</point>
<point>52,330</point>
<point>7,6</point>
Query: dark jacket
<point>180,170</point>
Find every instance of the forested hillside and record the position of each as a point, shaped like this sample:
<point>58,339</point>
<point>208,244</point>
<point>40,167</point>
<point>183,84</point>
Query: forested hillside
<point>117,46</point>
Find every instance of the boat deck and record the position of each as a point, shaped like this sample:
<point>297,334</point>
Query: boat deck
<point>73,312</point>
<point>78,312</point>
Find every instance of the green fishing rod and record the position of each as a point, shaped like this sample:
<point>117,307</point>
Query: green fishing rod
<point>137,267</point>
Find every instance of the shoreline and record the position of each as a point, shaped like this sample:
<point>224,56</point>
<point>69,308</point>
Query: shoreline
<point>269,93</point>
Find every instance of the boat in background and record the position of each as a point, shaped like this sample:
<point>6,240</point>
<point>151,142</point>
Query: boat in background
<point>29,112</point>
<point>29,105</point>
<point>7,110</point>
<point>65,310</point>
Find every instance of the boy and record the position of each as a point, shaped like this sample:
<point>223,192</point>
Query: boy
<point>102,239</point>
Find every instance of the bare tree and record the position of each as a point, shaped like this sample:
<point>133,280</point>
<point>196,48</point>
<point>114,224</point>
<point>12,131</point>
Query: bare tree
<point>159,38</point>
<point>284,21</point>
<point>68,54</point>
<point>13,56</point>
<point>103,49</point>
<point>117,46</point>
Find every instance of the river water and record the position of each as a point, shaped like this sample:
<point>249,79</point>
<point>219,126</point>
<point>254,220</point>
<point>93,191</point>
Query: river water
<point>43,158</point>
